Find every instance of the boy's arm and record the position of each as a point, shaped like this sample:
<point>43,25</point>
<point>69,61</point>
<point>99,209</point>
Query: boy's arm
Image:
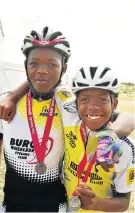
<point>89,201</point>
<point>123,183</point>
<point>120,203</point>
<point>8,105</point>
<point>19,92</point>
<point>123,124</point>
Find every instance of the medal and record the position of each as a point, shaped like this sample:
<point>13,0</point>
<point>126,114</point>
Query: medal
<point>74,203</point>
<point>40,149</point>
<point>40,168</point>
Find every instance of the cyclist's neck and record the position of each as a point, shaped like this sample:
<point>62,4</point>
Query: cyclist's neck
<point>41,96</point>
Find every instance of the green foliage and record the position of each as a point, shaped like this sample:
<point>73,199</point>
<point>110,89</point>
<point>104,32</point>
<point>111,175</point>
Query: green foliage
<point>128,88</point>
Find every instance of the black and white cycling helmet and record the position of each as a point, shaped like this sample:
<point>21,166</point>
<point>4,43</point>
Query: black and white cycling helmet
<point>47,38</point>
<point>96,77</point>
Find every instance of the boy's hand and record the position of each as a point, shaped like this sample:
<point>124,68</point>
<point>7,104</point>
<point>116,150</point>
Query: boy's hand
<point>87,196</point>
<point>108,151</point>
<point>105,166</point>
<point>7,109</point>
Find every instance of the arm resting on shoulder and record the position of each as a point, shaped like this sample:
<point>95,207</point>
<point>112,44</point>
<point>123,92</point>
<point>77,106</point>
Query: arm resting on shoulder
<point>123,123</point>
<point>8,104</point>
<point>19,92</point>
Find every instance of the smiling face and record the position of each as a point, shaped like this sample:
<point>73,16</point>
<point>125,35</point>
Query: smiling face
<point>95,107</point>
<point>44,68</point>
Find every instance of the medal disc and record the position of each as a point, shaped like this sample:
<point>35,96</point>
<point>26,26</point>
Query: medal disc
<point>75,203</point>
<point>40,168</point>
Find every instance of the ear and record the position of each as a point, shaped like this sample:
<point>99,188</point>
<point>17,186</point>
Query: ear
<point>114,104</point>
<point>25,64</point>
<point>64,68</point>
<point>76,104</point>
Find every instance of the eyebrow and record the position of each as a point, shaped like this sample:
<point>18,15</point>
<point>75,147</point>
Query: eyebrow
<point>32,58</point>
<point>87,95</point>
<point>55,60</point>
<point>52,59</point>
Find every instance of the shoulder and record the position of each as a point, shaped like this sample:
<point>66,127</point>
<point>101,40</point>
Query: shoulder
<point>64,93</point>
<point>3,95</point>
<point>125,168</point>
<point>22,100</point>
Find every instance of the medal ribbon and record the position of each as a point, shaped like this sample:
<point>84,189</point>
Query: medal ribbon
<point>39,149</point>
<point>83,162</point>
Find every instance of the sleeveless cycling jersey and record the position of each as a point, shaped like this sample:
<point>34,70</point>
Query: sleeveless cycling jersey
<point>104,184</point>
<point>22,183</point>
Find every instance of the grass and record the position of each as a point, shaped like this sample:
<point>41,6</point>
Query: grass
<point>126,103</point>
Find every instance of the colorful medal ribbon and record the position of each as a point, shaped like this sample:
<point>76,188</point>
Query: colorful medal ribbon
<point>83,162</point>
<point>39,149</point>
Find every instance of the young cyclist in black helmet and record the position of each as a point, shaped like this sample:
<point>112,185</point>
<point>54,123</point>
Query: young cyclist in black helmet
<point>32,181</point>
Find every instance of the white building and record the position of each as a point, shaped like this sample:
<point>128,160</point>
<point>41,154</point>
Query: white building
<point>11,75</point>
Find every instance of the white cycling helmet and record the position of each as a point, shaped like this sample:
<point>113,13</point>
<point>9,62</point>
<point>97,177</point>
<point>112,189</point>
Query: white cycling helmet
<point>96,77</point>
<point>47,38</point>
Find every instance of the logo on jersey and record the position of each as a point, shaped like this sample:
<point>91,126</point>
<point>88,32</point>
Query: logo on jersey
<point>94,177</point>
<point>23,148</point>
<point>44,112</point>
<point>64,95</point>
<point>127,140</point>
<point>72,139</point>
<point>130,175</point>
<point>49,146</point>
<point>70,107</point>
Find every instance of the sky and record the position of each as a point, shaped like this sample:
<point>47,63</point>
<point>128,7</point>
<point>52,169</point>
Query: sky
<point>101,32</point>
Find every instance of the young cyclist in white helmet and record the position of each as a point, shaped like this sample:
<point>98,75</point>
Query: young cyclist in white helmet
<point>44,66</point>
<point>88,186</point>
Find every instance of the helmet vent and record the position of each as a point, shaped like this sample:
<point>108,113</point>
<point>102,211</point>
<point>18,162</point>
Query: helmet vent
<point>115,82</point>
<point>73,84</point>
<point>82,85</point>
<point>55,35</point>
<point>45,30</point>
<point>93,71</point>
<point>82,72</point>
<point>35,35</point>
<point>66,44</point>
<point>104,72</point>
<point>103,84</point>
